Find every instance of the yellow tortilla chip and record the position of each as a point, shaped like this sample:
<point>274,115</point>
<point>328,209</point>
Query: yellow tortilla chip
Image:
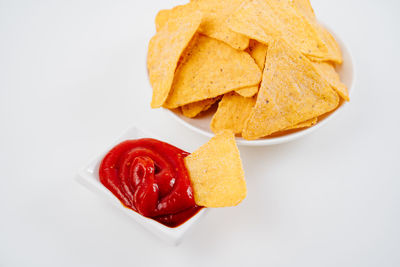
<point>248,91</point>
<point>191,110</point>
<point>304,6</point>
<point>258,51</point>
<point>214,23</point>
<point>266,20</point>
<point>162,17</point>
<point>232,113</point>
<point>216,172</point>
<point>211,68</point>
<point>327,71</point>
<point>166,14</point>
<point>292,91</point>
<point>334,54</point>
<point>304,124</point>
<point>165,49</point>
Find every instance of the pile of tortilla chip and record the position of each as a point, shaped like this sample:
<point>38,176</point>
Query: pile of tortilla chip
<point>268,64</point>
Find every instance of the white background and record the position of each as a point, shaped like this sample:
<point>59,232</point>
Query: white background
<point>73,78</point>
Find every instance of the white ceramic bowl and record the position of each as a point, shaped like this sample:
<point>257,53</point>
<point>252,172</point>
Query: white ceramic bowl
<point>89,177</point>
<point>347,74</point>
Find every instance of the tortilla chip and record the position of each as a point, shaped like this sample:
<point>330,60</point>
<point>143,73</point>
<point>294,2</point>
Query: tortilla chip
<point>334,54</point>
<point>216,172</point>
<point>209,69</point>
<point>327,71</point>
<point>304,6</point>
<point>164,15</point>
<point>214,23</point>
<point>258,51</point>
<point>193,109</point>
<point>232,113</point>
<point>161,18</point>
<point>304,124</point>
<point>265,21</point>
<point>292,91</point>
<point>165,49</point>
<point>248,91</point>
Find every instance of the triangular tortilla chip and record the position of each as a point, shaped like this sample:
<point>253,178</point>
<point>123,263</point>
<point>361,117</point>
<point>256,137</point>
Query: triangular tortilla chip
<point>191,110</point>
<point>304,6</point>
<point>248,91</point>
<point>266,20</point>
<point>232,113</point>
<point>258,51</point>
<point>211,68</point>
<point>304,124</point>
<point>165,49</point>
<point>292,91</point>
<point>334,54</point>
<point>328,72</point>
<point>214,23</point>
<point>166,14</point>
<point>216,172</point>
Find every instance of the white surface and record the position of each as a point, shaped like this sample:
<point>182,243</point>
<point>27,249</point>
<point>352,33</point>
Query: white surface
<point>72,78</point>
<point>89,177</point>
<point>201,124</point>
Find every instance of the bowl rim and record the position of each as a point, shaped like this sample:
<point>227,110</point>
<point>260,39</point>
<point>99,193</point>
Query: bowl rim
<point>291,136</point>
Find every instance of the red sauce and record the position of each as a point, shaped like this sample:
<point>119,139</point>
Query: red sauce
<point>150,177</point>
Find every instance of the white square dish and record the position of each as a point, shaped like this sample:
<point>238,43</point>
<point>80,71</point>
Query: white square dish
<point>89,177</point>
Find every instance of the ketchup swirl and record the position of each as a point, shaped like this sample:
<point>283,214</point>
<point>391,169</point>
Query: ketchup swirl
<point>150,177</point>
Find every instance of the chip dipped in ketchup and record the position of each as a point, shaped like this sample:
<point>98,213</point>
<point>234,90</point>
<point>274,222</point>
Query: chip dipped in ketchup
<point>150,177</point>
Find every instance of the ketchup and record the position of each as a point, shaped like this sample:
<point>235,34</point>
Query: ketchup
<point>150,177</point>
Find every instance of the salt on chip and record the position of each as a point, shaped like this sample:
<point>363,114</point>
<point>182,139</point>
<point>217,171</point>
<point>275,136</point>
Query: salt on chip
<point>209,69</point>
<point>214,23</point>
<point>232,113</point>
<point>216,172</point>
<point>304,124</point>
<point>267,20</point>
<point>247,91</point>
<point>258,51</point>
<point>165,49</point>
<point>292,91</point>
<point>191,110</point>
<point>328,72</point>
